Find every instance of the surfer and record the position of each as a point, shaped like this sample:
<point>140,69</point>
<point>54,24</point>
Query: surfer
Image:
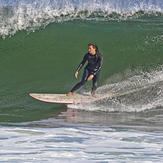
<point>92,69</point>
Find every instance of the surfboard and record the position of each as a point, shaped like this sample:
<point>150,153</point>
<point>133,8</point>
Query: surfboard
<point>64,99</point>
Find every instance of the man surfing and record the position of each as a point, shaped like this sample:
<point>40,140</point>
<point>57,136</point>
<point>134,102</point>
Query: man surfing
<point>92,69</point>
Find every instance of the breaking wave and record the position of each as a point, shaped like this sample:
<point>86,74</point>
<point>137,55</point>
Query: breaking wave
<point>32,14</point>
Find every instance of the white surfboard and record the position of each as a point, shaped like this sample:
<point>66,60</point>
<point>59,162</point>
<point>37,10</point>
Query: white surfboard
<point>64,99</point>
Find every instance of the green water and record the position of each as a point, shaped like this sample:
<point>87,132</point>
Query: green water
<point>44,61</point>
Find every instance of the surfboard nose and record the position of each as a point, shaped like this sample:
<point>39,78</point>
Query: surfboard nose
<point>32,94</point>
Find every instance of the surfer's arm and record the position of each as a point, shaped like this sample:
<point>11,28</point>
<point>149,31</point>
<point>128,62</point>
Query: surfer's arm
<point>82,63</point>
<point>99,63</point>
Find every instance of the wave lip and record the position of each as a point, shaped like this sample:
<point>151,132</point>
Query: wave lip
<point>31,15</point>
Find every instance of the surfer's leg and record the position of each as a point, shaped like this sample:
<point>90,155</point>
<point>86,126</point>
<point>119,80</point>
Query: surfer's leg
<point>82,82</point>
<point>95,81</point>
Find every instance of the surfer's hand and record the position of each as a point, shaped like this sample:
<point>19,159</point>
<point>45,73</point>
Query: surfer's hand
<point>76,74</point>
<point>90,77</point>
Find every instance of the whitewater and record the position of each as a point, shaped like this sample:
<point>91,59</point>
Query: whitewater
<point>31,15</point>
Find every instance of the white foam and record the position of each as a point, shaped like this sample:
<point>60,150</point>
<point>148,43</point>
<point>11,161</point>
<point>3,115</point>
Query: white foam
<point>79,144</point>
<point>135,94</point>
<point>30,15</point>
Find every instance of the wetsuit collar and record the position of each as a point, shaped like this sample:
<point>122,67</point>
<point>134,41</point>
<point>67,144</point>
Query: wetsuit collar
<point>92,54</point>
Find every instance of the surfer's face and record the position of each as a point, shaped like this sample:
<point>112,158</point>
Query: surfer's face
<point>91,50</point>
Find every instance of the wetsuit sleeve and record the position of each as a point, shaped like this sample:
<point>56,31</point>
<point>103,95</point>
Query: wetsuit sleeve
<point>82,62</point>
<point>99,65</point>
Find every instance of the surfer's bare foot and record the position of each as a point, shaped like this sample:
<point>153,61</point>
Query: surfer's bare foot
<point>69,94</point>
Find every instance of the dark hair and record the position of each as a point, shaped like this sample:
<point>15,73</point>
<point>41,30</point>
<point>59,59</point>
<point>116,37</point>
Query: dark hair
<point>94,45</point>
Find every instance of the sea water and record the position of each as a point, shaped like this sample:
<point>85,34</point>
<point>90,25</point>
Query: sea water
<point>42,42</point>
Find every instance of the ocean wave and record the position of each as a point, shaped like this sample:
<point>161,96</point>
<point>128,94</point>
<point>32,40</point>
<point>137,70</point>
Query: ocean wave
<point>32,14</point>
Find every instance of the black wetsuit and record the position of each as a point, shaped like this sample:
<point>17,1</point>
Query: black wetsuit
<point>92,68</point>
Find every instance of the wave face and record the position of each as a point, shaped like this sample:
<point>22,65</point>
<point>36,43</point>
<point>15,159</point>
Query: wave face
<point>18,15</point>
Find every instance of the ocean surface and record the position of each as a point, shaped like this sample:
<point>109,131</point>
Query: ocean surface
<point>41,44</point>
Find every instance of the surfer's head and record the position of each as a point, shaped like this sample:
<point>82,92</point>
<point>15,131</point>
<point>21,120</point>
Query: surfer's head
<point>92,48</point>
